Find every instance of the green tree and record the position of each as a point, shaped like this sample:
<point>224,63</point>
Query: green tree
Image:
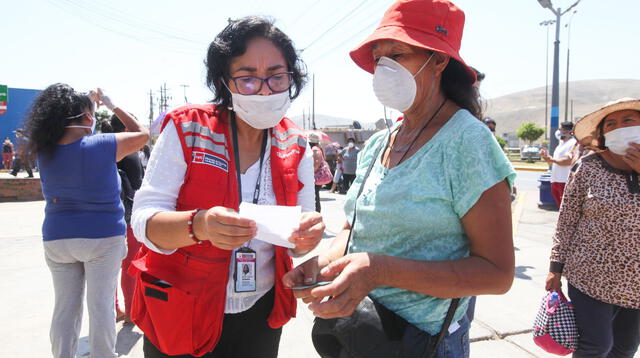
<point>502,142</point>
<point>529,132</point>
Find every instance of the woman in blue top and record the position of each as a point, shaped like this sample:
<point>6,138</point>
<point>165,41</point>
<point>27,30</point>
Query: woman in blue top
<point>434,218</point>
<point>84,227</point>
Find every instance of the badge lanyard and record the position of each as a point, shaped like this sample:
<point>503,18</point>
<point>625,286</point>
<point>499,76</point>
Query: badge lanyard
<point>244,273</point>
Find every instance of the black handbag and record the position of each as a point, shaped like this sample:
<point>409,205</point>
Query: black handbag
<point>372,330</point>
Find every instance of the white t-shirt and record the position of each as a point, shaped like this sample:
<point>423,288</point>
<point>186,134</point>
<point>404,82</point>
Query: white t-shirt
<point>560,173</point>
<point>159,192</point>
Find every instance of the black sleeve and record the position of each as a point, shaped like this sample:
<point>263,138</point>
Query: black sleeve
<point>132,167</point>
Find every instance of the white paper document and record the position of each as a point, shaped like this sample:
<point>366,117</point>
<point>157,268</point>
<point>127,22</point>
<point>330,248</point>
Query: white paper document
<point>275,223</point>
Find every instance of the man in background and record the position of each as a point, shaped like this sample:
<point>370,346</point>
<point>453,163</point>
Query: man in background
<point>561,161</point>
<point>349,163</point>
<point>24,158</point>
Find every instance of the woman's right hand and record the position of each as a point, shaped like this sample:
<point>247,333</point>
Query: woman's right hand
<point>554,282</point>
<point>307,273</point>
<point>224,227</point>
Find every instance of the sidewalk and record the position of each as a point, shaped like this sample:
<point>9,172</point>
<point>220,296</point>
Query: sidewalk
<point>501,327</point>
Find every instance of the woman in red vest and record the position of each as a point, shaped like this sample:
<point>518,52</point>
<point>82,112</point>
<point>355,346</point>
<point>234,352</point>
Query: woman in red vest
<point>205,284</point>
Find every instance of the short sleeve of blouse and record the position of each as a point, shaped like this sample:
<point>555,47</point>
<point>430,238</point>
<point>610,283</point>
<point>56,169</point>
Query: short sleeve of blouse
<point>476,163</point>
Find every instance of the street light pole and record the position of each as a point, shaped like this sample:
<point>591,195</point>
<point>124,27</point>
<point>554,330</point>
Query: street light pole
<point>546,24</point>
<point>555,91</point>
<point>566,94</point>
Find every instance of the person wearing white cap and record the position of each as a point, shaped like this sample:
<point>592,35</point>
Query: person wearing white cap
<point>596,243</point>
<point>561,161</point>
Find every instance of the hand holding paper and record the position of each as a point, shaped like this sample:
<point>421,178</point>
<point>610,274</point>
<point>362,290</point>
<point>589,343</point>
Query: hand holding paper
<point>275,223</point>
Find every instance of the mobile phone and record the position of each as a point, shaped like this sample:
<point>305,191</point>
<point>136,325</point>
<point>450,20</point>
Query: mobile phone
<point>321,283</point>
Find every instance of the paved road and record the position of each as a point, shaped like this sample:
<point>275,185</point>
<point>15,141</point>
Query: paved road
<point>501,328</point>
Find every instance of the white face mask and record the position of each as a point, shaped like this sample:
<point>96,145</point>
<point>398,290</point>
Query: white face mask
<point>394,85</point>
<point>618,139</point>
<point>351,145</point>
<point>92,127</point>
<point>261,112</point>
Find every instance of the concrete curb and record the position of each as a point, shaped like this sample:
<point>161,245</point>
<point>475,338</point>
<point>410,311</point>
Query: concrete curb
<point>530,169</point>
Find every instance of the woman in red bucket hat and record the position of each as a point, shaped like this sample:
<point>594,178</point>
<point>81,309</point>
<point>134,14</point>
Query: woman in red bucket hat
<point>430,207</point>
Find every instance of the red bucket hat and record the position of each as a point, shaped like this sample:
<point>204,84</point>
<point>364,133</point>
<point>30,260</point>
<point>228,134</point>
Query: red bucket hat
<point>434,25</point>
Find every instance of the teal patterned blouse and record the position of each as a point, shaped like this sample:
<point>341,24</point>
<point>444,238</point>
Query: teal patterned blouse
<point>414,210</point>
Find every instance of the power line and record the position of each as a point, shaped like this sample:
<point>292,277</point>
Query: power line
<point>100,21</point>
<point>335,24</point>
<point>330,51</point>
<point>304,12</point>
<point>123,19</point>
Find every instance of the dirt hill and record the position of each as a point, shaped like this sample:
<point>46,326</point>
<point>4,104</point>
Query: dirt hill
<point>529,106</point>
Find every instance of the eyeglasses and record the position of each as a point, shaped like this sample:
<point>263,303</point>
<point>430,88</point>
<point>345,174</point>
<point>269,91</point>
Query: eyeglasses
<point>250,85</point>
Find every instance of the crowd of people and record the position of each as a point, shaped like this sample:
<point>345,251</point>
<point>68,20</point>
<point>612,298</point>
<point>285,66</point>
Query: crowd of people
<point>398,280</point>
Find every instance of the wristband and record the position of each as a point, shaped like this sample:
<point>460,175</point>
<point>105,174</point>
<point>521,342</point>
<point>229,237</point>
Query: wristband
<point>192,236</point>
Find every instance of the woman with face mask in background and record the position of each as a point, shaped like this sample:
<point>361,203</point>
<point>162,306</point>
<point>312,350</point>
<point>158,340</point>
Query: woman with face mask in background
<point>433,218</point>
<point>84,226</point>
<point>190,295</point>
<point>596,243</point>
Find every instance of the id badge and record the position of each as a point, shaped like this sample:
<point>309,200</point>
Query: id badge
<point>245,270</point>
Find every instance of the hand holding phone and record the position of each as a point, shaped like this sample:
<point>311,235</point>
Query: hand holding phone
<point>321,283</point>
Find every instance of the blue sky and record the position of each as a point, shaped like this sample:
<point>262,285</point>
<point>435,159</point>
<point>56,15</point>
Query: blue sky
<point>130,47</point>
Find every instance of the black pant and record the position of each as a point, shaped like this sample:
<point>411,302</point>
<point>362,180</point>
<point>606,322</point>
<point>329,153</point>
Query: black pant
<point>606,330</point>
<point>347,180</point>
<point>246,334</point>
<point>22,163</point>
<point>318,197</point>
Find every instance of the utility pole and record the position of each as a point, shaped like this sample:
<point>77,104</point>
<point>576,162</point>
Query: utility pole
<point>555,91</point>
<point>566,93</point>
<point>304,120</point>
<point>163,104</point>
<point>184,89</point>
<point>313,101</point>
<point>150,107</point>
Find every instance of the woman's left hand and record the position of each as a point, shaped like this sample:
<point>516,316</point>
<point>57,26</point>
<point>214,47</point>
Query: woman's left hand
<point>356,275</point>
<point>632,158</point>
<point>309,234</point>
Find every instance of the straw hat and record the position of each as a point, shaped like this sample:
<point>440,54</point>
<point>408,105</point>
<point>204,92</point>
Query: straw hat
<point>434,25</point>
<point>313,138</point>
<point>586,129</point>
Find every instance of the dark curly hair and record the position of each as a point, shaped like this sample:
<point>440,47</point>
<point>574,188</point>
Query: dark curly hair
<point>232,42</point>
<point>458,87</point>
<point>45,124</point>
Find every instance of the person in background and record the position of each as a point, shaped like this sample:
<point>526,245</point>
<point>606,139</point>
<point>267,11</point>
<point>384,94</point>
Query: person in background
<point>491,124</point>
<point>24,156</point>
<point>561,162</point>
<point>596,246</point>
<point>433,220</point>
<point>83,228</point>
<point>7,154</point>
<point>331,155</point>
<point>349,163</point>
<point>337,175</point>
<point>144,155</point>
<point>131,172</point>
<point>318,158</point>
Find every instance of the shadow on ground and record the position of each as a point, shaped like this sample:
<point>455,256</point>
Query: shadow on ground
<point>126,339</point>
<point>520,272</point>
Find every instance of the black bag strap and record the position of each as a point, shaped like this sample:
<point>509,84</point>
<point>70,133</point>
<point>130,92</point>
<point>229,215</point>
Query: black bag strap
<point>453,306</point>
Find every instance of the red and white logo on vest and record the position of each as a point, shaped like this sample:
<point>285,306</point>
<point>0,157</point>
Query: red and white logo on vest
<point>210,159</point>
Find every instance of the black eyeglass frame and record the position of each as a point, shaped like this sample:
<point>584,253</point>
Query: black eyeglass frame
<point>263,81</point>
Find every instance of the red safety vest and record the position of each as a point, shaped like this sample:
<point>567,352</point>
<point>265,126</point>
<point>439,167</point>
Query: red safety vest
<point>179,299</point>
